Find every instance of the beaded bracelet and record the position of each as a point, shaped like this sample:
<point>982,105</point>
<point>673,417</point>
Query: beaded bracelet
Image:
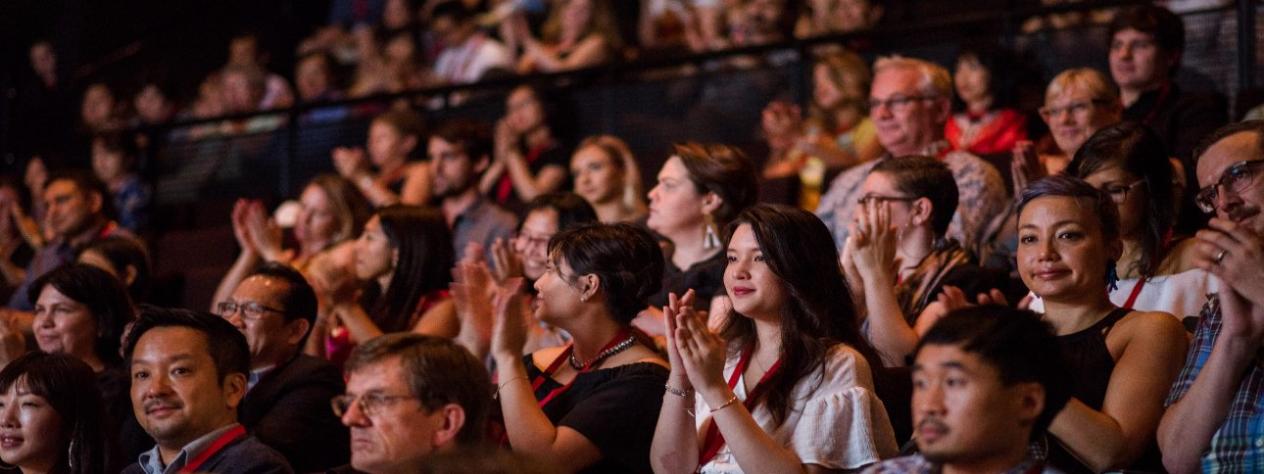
<point>678,392</point>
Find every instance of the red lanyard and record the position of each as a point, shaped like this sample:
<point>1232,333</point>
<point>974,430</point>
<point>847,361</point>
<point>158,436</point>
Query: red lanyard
<point>557,363</point>
<point>216,446</point>
<point>714,440</point>
<point>1136,290</point>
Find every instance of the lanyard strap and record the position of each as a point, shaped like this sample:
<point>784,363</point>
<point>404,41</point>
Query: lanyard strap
<point>1136,290</point>
<point>216,446</point>
<point>566,353</point>
<point>713,440</point>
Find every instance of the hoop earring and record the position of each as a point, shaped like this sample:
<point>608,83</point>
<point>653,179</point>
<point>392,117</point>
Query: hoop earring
<point>710,239</point>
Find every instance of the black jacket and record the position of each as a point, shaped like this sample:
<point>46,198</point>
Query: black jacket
<point>289,410</point>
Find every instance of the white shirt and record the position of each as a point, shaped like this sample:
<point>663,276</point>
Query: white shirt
<point>466,63</point>
<point>1182,295</point>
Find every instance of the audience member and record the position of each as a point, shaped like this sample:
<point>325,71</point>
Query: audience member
<point>984,388</point>
<point>794,356</point>
<point>246,53</point>
<point>76,214</point>
<point>699,190</point>
<point>589,406</point>
<point>467,53</point>
<point>315,81</point>
<point>1213,419</point>
<point>825,17</point>
<point>124,258</point>
<point>189,371</point>
<point>390,433</point>
<point>577,34</point>
<point>460,152</point>
<point>386,175</point>
<point>153,104</point>
<point>16,251</point>
<point>52,413</point>
<point>406,258</point>
<point>527,159</point>
<point>909,104</point>
<point>1156,269</point>
<point>99,110</point>
<point>83,311</point>
<point>606,174</point>
<point>115,160</point>
<point>985,122</point>
<point>836,133</point>
<point>898,259</point>
<point>1120,360</point>
<point>286,391</point>
<point>1147,43</point>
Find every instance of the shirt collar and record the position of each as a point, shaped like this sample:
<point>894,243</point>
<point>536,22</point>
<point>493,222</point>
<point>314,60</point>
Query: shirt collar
<point>151,461</point>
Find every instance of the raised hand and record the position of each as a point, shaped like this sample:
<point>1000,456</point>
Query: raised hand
<point>875,241</point>
<point>1025,165</point>
<point>1241,319</point>
<point>241,231</point>
<point>12,340</point>
<point>701,351</point>
<point>506,262</point>
<point>679,376</point>
<point>1235,254</point>
<point>509,328</point>
<point>350,162</point>
<point>265,234</point>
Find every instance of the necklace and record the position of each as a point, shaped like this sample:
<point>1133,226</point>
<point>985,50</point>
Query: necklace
<point>615,349</point>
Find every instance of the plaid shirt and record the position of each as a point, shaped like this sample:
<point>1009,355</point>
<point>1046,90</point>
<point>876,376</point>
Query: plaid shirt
<point>1238,446</point>
<point>916,464</point>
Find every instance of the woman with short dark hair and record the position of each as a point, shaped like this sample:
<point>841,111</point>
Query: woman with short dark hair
<point>53,417</point>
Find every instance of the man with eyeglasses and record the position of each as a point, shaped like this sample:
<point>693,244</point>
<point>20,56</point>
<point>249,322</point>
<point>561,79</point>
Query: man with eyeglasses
<point>1215,416</point>
<point>410,396</point>
<point>909,103</point>
<point>287,392</point>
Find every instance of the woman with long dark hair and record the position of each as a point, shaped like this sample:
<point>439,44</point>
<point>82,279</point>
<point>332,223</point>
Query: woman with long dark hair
<point>405,258</point>
<point>1122,361</point>
<point>787,376</point>
<point>590,405</point>
<point>51,416</point>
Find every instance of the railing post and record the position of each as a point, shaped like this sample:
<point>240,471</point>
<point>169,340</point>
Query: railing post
<point>1246,44</point>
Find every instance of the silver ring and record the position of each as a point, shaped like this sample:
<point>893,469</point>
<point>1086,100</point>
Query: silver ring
<point>1220,256</point>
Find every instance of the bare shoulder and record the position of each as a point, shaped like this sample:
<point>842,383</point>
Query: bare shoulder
<point>1151,328</point>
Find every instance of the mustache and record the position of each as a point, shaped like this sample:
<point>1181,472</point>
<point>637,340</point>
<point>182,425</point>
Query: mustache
<point>934,423</point>
<point>155,404</point>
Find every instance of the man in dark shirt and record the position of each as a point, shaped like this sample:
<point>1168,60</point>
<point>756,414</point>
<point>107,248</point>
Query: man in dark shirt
<point>188,374</point>
<point>1145,53</point>
<point>288,393</point>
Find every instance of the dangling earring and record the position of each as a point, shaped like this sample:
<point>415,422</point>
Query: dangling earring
<point>70,455</point>
<point>710,240</point>
<point>1112,277</point>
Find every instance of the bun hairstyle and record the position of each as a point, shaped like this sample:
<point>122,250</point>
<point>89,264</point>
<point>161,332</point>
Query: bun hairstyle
<point>625,258</point>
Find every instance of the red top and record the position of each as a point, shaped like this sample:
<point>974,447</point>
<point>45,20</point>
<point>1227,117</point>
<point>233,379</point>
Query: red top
<point>995,132</point>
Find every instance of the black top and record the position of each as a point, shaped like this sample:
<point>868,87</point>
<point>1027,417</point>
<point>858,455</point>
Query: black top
<point>1180,119</point>
<point>1090,364</point>
<point>615,408</point>
<point>705,278</point>
<point>131,438</point>
<point>288,410</point>
<point>554,155</point>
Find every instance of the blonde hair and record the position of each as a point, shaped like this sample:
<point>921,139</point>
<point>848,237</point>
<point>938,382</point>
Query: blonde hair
<point>1088,79</point>
<point>934,78</point>
<point>621,157</point>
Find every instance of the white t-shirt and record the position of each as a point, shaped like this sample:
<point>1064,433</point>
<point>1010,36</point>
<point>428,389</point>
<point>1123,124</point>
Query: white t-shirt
<point>466,63</point>
<point>836,421</point>
<point>1181,295</point>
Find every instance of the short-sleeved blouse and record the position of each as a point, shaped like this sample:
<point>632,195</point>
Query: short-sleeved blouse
<point>616,409</point>
<point>836,421</point>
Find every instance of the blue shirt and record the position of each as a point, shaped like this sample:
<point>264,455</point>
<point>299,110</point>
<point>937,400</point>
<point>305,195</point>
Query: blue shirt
<point>151,461</point>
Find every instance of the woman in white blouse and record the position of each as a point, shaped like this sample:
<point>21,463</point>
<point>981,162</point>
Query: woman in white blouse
<point>786,385</point>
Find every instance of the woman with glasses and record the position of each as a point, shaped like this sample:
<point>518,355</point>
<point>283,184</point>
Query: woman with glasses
<point>403,262</point>
<point>51,417</point>
<point>83,311</point>
<point>1122,361</point>
<point>897,260</point>
<point>786,385</point>
<point>1156,269</point>
<point>590,405</point>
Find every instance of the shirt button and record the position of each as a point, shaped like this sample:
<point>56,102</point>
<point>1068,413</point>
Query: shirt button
<point>1259,443</point>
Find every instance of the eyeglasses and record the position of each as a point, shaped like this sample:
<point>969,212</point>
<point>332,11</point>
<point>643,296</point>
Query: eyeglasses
<point>533,240</point>
<point>1074,108</point>
<point>370,403</point>
<point>1119,192</point>
<point>898,102</point>
<point>249,309</point>
<point>864,200</point>
<point>1236,179</point>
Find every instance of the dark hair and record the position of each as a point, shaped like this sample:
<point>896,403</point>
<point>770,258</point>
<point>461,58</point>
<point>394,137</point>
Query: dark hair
<point>123,252</point>
<point>121,143</point>
<point>453,9</point>
<point>103,296</point>
<point>405,122</point>
<point>1068,186</point>
<point>438,372</point>
<point>225,344</point>
<point>1016,342</point>
<point>572,210</point>
<point>350,207</point>
<point>70,387</point>
<point>723,170</point>
<point>1167,28</point>
<point>925,177</point>
<point>473,138</point>
<point>626,259</point>
<point>1135,148</point>
<point>87,183</point>
<point>425,262</point>
<point>1252,126</point>
<point>818,311</point>
<point>299,299</point>
<point>1003,71</point>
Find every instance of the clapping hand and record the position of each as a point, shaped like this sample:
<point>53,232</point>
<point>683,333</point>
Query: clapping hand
<point>509,328</point>
<point>875,241</point>
<point>1025,166</point>
<point>506,262</point>
<point>1235,254</point>
<point>699,351</point>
